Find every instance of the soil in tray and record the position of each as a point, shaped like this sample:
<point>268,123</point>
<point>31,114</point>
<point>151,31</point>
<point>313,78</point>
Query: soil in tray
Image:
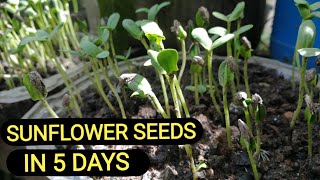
<point>288,157</point>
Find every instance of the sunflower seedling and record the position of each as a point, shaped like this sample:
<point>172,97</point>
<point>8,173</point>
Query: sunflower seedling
<point>310,115</point>
<point>37,90</point>
<point>260,114</point>
<point>165,62</point>
<point>188,149</point>
<point>196,70</point>
<point>234,15</point>
<point>226,76</point>
<point>305,53</point>
<point>202,37</point>
<point>153,11</point>
<point>181,36</point>
<point>202,18</point>
<point>247,141</point>
<point>245,51</point>
<point>245,101</point>
<point>66,103</point>
<point>97,57</point>
<point>142,88</point>
<point>307,12</point>
<point>312,81</point>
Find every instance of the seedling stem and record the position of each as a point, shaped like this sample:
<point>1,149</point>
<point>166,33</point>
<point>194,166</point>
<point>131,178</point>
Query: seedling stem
<point>301,91</point>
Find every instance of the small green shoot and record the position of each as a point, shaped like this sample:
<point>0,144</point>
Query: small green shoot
<point>247,141</point>
<point>181,36</point>
<point>226,76</point>
<point>202,18</point>
<point>37,90</point>
<point>310,115</point>
<point>305,53</point>
<point>245,52</point>
<point>154,10</point>
<point>196,70</point>
<point>142,88</point>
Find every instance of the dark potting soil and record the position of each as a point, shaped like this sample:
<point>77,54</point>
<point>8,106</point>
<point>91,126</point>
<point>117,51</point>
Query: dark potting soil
<point>287,148</point>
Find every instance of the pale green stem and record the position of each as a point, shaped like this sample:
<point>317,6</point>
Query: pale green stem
<point>309,138</point>
<point>113,51</point>
<point>301,92</point>
<point>174,97</point>
<point>247,115</point>
<point>211,82</point>
<point>196,92</point>
<point>165,95</point>
<point>144,43</point>
<point>158,105</point>
<point>113,90</point>
<point>226,115</point>
<point>229,48</point>
<point>258,143</point>
<point>253,164</point>
<point>100,88</point>
<point>184,59</point>
<point>181,97</point>
<point>245,74</point>
<point>50,110</point>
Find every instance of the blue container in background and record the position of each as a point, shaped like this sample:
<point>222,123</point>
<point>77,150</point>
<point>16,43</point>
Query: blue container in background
<point>285,29</point>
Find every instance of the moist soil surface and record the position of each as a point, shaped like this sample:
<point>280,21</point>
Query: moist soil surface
<point>286,147</point>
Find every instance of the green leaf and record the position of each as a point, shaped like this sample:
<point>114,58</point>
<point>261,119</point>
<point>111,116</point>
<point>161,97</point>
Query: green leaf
<point>220,16</point>
<point>163,4</point>
<point>201,165</point>
<point>39,36</point>
<point>104,35</point>
<point>128,53</point>
<point>303,7</point>
<point>201,88</point>
<point>314,15</point>
<point>121,57</point>
<point>194,50</point>
<point>306,34</point>
<point>168,60</point>
<point>222,40</point>
<point>201,19</point>
<point>56,30</point>
<point>140,10</point>
<point>243,29</point>
<point>308,116</point>
<point>309,52</point>
<point>315,6</point>
<point>237,12</point>
<point>152,31</point>
<point>221,31</point>
<point>225,74</point>
<point>113,21</point>
<point>137,83</point>
<point>89,47</point>
<point>102,54</point>
<point>153,57</point>
<point>261,113</point>
<point>133,29</point>
<point>244,143</point>
<point>16,24</point>
<point>301,2</point>
<point>202,37</point>
<point>34,85</point>
<point>154,10</point>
